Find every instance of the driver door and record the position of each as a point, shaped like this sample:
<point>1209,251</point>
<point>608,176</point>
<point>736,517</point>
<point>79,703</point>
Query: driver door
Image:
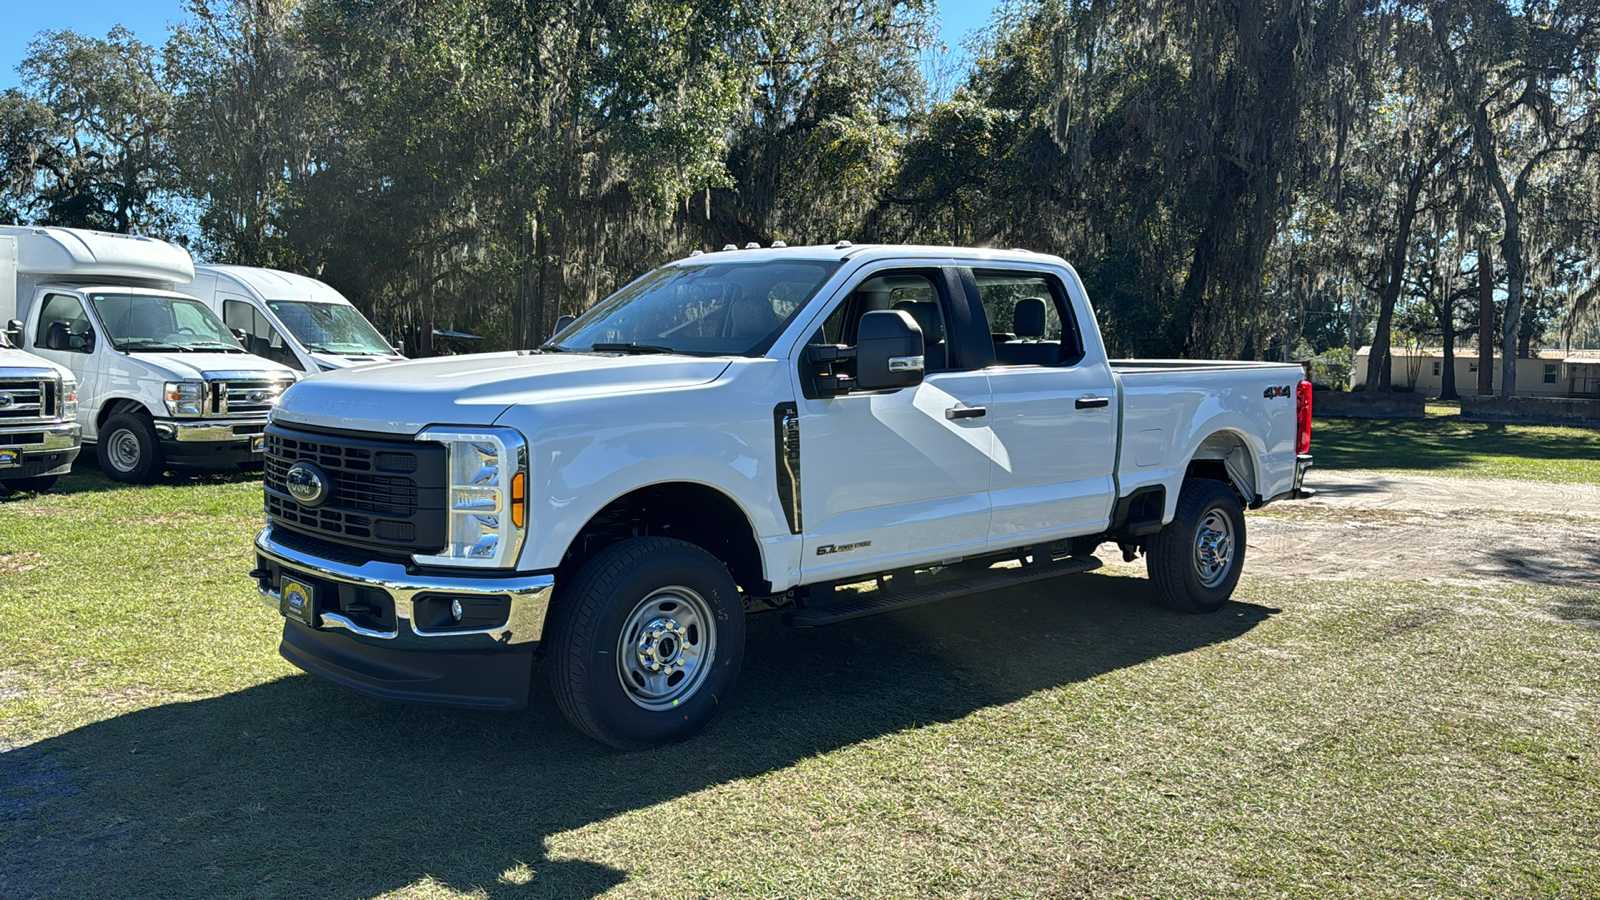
<point>64,333</point>
<point>891,478</point>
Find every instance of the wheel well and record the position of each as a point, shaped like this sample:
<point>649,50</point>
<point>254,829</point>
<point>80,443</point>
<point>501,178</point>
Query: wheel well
<point>1225,457</point>
<point>701,515</point>
<point>117,408</point>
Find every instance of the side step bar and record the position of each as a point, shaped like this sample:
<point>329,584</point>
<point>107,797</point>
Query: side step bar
<point>876,602</point>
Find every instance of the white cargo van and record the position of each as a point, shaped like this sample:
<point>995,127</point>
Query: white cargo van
<point>291,319</point>
<point>161,381</point>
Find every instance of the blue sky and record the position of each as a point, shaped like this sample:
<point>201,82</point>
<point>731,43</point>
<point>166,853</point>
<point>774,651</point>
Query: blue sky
<point>148,20</point>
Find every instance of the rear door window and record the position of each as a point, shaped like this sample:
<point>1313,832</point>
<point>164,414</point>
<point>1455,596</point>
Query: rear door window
<point>1030,321</point>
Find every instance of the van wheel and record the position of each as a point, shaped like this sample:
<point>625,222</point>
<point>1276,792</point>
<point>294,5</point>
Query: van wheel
<point>1195,560</point>
<point>38,484</point>
<point>645,642</point>
<point>128,450</point>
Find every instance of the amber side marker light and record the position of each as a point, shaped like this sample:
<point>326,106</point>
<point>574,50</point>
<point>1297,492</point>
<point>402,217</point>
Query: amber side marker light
<point>519,499</point>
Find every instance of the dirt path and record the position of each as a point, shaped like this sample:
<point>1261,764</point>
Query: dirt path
<point>1426,528</point>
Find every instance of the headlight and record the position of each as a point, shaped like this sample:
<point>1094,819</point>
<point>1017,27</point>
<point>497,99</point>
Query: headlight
<point>487,473</point>
<point>186,398</point>
<point>69,400</point>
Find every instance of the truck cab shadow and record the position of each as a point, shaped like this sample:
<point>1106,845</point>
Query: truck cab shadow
<point>295,787</point>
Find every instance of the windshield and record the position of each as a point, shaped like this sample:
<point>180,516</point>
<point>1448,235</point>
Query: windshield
<point>136,322</point>
<point>713,309</point>
<point>330,328</point>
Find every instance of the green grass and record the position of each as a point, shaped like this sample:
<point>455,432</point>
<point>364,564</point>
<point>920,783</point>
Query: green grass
<point>1313,739</point>
<point>1442,444</point>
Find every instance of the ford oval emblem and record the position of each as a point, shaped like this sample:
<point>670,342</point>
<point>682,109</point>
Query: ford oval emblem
<point>307,484</point>
<point>6,400</point>
<point>257,396</point>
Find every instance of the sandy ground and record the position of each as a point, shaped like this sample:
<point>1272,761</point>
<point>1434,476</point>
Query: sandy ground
<point>1425,528</point>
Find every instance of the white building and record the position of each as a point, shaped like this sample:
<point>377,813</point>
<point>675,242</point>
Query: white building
<point>1547,373</point>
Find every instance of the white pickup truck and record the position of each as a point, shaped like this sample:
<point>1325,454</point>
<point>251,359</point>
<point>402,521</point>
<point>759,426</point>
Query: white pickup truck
<point>832,431</point>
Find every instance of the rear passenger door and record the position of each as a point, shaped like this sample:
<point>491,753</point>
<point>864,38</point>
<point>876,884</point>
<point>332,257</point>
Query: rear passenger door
<point>1052,409</point>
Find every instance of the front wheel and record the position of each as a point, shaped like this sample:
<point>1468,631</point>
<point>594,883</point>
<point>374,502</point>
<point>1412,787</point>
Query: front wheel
<point>645,642</point>
<point>1196,559</point>
<point>129,451</point>
<point>38,484</point>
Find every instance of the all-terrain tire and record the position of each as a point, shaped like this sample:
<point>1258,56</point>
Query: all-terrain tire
<point>128,450</point>
<point>1196,559</point>
<point>645,642</point>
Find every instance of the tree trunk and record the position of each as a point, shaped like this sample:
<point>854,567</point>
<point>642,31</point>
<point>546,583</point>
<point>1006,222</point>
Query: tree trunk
<point>1394,269</point>
<point>1485,317</point>
<point>1447,375</point>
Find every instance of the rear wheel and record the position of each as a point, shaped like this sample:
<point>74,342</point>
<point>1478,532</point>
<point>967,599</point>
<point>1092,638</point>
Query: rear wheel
<point>1195,560</point>
<point>645,642</point>
<point>128,450</point>
<point>36,484</point>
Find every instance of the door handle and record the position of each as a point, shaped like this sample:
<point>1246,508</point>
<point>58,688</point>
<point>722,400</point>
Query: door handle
<point>966,412</point>
<point>1093,402</point>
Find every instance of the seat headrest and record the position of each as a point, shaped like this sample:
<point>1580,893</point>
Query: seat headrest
<point>754,317</point>
<point>874,300</point>
<point>1029,319</point>
<point>927,316</point>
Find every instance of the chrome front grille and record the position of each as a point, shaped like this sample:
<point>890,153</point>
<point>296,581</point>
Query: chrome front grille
<point>28,401</point>
<point>254,397</point>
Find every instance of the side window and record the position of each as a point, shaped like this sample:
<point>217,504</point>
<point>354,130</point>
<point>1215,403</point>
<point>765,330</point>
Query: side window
<point>1029,319</point>
<point>63,325</point>
<point>913,292</point>
<point>260,337</point>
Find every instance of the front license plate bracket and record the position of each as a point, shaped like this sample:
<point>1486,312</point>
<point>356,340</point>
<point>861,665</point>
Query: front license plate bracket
<point>298,600</point>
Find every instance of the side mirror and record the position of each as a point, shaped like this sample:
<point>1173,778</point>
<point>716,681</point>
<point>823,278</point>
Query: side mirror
<point>562,322</point>
<point>14,332</point>
<point>888,351</point>
<point>240,335</point>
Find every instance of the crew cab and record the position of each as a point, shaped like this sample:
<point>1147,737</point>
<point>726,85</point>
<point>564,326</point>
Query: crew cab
<point>830,431</point>
<point>39,434</point>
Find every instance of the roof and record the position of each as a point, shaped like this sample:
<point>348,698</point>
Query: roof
<point>1471,353</point>
<point>844,250</point>
<point>273,284</point>
<point>78,254</point>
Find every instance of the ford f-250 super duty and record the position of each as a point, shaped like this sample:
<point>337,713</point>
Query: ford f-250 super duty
<point>741,431</point>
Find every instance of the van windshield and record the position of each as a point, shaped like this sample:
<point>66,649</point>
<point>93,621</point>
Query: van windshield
<point>140,322</point>
<point>711,309</point>
<point>330,328</point>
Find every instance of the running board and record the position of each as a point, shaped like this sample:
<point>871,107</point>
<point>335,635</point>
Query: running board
<point>875,602</point>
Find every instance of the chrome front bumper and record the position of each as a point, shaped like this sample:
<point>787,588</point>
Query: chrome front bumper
<point>529,594</point>
<point>210,431</point>
<point>54,437</point>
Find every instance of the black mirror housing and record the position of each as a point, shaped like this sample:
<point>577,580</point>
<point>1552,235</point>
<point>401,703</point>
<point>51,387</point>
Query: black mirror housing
<point>14,332</point>
<point>562,322</point>
<point>889,351</point>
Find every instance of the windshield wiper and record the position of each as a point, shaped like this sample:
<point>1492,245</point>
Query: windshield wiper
<point>147,344</point>
<point>551,348</point>
<point>630,348</point>
<point>228,347</point>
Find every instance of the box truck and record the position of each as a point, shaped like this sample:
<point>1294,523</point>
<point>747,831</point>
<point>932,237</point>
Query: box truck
<point>161,380</point>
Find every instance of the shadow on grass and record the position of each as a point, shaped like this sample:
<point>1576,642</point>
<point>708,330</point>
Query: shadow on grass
<point>87,477</point>
<point>1442,443</point>
<point>298,788</point>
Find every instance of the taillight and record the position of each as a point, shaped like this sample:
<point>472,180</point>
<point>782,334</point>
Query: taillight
<point>1302,418</point>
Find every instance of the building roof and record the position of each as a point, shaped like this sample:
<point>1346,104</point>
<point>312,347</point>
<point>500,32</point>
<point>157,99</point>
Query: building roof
<point>1554,354</point>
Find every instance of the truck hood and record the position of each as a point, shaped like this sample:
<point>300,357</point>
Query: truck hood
<point>17,359</point>
<point>194,366</point>
<point>406,397</point>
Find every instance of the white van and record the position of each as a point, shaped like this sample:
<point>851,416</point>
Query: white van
<point>161,381</point>
<point>39,433</point>
<point>291,319</point>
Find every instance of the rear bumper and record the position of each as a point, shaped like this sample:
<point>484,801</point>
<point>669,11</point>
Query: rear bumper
<point>41,450</point>
<point>1301,492</point>
<point>384,631</point>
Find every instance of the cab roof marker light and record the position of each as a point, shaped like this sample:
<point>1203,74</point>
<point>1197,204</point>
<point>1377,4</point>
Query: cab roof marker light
<point>778,245</point>
<point>727,247</point>
<point>752,246</point>
<point>696,252</point>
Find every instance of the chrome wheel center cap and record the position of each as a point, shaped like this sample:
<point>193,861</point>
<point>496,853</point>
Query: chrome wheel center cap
<point>660,646</point>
